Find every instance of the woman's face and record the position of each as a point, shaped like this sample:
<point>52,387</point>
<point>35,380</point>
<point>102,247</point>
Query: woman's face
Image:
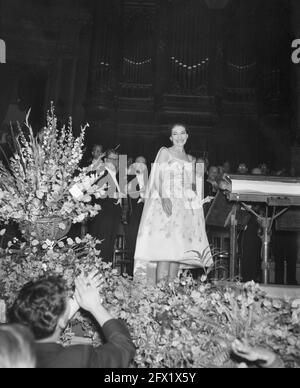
<point>179,136</point>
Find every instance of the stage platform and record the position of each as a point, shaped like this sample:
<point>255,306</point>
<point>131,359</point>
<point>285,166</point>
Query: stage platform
<point>282,292</point>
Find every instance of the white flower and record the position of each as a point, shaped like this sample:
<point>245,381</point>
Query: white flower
<point>2,232</point>
<point>40,194</point>
<point>61,244</point>
<point>70,241</point>
<point>80,218</point>
<point>78,240</point>
<point>203,278</point>
<point>44,266</point>
<point>50,243</point>
<point>296,304</point>
<point>62,226</point>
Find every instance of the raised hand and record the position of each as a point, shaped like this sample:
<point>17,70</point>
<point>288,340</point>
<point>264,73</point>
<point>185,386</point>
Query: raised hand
<point>87,293</point>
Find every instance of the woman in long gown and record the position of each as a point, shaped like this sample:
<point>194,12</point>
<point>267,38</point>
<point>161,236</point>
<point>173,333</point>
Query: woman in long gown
<point>172,230</point>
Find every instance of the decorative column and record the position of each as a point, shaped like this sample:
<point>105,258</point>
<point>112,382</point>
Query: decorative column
<point>162,54</point>
<point>104,61</point>
<point>216,74</point>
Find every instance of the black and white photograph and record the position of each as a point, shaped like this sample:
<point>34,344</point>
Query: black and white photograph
<point>149,186</point>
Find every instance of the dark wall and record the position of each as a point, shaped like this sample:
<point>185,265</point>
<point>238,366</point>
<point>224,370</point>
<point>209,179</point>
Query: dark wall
<point>132,68</point>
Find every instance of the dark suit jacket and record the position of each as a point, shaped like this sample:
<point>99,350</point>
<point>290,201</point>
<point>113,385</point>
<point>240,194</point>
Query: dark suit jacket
<point>117,352</point>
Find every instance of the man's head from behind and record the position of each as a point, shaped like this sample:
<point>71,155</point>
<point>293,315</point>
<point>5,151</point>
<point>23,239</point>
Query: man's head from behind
<point>16,348</point>
<point>42,306</point>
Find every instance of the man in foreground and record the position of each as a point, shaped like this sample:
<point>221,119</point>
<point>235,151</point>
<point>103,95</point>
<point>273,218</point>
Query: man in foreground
<point>43,306</point>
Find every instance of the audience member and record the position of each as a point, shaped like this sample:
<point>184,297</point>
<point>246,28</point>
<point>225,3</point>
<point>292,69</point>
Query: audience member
<point>126,203</point>
<point>242,169</point>
<point>136,191</point>
<point>227,167</point>
<point>44,307</point>
<point>256,171</point>
<point>16,348</point>
<point>264,169</point>
<point>221,172</point>
<point>211,183</point>
<point>96,160</point>
<point>106,224</point>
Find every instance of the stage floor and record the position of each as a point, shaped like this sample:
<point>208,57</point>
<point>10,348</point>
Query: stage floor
<point>282,292</point>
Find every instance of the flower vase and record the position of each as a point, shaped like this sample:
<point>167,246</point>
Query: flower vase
<point>46,228</point>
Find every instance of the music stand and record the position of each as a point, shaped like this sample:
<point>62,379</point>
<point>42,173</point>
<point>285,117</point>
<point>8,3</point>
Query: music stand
<point>225,214</point>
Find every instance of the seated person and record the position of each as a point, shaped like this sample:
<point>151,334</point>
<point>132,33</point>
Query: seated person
<point>16,348</point>
<point>43,306</point>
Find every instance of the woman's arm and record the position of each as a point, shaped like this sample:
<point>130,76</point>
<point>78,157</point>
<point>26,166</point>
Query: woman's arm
<point>161,160</point>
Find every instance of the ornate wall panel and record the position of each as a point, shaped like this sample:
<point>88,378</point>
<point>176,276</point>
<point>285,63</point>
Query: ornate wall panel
<point>240,56</point>
<point>190,44</point>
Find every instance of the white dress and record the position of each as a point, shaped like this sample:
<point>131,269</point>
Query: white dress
<point>181,237</point>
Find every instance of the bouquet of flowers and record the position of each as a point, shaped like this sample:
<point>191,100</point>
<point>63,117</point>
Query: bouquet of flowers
<point>44,179</point>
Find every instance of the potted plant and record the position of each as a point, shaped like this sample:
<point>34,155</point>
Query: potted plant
<point>44,189</point>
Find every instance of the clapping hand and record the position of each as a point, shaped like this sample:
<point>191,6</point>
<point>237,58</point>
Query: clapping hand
<point>87,291</point>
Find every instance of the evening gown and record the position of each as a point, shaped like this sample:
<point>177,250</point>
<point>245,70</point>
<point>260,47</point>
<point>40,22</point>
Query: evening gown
<point>182,237</point>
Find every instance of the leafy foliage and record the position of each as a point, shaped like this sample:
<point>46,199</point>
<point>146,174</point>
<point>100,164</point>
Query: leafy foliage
<point>184,324</point>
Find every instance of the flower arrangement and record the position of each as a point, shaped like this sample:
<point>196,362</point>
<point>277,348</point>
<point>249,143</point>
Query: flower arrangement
<point>186,323</point>
<point>44,178</point>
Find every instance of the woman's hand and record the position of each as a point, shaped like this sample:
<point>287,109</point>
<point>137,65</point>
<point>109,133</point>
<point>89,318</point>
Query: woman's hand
<point>167,206</point>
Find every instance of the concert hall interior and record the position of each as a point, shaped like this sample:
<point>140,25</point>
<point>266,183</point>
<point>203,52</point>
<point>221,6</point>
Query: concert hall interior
<point>133,68</point>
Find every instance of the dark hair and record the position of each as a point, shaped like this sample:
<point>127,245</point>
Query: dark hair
<point>97,145</point>
<point>16,347</point>
<point>178,125</point>
<point>112,152</point>
<point>39,306</point>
